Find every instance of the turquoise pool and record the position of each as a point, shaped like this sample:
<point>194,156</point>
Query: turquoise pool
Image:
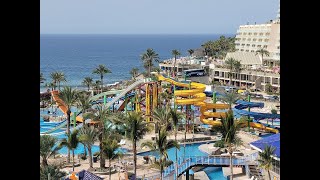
<point>191,150</point>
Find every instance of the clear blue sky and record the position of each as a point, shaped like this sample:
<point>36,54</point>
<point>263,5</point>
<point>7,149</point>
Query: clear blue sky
<point>152,16</point>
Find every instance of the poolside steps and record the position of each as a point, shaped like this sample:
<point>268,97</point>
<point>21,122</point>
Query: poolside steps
<point>255,171</point>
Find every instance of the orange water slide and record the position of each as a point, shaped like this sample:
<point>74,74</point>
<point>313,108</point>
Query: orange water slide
<point>62,106</point>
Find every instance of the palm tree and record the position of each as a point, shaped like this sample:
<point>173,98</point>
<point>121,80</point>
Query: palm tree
<point>110,147</point>
<point>162,116</point>
<point>229,129</point>
<point>87,136</point>
<point>135,128</point>
<point>55,77</point>
<point>53,170</point>
<point>190,51</point>
<point>175,53</point>
<point>161,145</point>
<point>71,143</point>
<point>87,81</point>
<point>69,97</point>
<point>262,52</point>
<point>101,70</point>
<point>230,98</point>
<point>84,103</point>
<point>134,72</point>
<point>42,79</point>
<point>100,117</point>
<point>232,64</point>
<point>148,57</point>
<point>175,119</point>
<point>47,148</point>
<point>265,160</point>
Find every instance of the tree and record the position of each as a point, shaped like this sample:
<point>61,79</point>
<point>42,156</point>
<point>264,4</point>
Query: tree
<point>71,143</point>
<point>84,103</point>
<point>69,98</point>
<point>57,77</point>
<point>162,116</point>
<point>134,72</point>
<point>262,52</point>
<point>148,57</point>
<point>190,51</point>
<point>229,131</point>
<point>53,170</point>
<point>233,65</point>
<point>161,145</point>
<point>42,79</point>
<point>175,53</point>
<point>109,150</point>
<point>87,81</point>
<point>230,98</point>
<point>273,111</point>
<point>175,119</point>
<point>135,128</point>
<point>101,70</point>
<point>100,118</point>
<point>265,158</point>
<point>47,148</point>
<point>268,88</point>
<point>87,136</point>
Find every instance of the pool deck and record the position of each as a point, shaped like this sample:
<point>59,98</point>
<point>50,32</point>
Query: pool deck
<point>201,175</point>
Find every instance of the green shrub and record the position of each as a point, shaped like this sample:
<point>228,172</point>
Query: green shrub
<point>219,143</point>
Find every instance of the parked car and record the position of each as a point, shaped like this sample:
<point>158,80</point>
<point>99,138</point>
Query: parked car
<point>271,97</point>
<point>229,89</point>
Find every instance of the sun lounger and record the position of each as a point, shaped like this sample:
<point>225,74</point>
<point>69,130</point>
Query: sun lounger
<point>122,142</point>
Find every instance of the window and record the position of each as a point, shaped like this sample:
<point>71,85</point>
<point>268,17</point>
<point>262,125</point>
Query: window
<point>248,44</point>
<point>249,33</point>
<point>249,39</point>
<point>278,47</point>
<point>265,46</point>
<point>242,44</point>
<point>254,39</point>
<point>237,49</point>
<point>259,46</point>
<point>267,34</point>
<point>261,34</point>
<point>252,50</point>
<point>247,50</point>
<point>260,40</point>
<point>253,45</point>
<point>255,34</point>
<point>244,33</point>
<point>241,49</point>
<point>266,40</point>
<point>243,39</point>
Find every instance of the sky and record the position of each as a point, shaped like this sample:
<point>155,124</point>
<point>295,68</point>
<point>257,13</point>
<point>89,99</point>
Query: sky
<point>152,16</point>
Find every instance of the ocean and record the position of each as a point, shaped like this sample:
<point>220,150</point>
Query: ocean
<point>78,55</point>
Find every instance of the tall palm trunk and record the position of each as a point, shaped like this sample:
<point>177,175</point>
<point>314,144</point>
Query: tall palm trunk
<point>101,77</point>
<point>44,162</point>
<point>175,139</point>
<point>90,156</point>
<point>102,159</point>
<point>174,66</point>
<point>269,174</point>
<point>231,165</point>
<point>109,168</point>
<point>73,160</point>
<point>149,70</point>
<point>135,158</point>
<point>161,167</point>
<point>68,132</point>
<point>230,83</point>
<point>88,87</point>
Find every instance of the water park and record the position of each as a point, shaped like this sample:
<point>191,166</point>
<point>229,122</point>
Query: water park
<point>192,121</point>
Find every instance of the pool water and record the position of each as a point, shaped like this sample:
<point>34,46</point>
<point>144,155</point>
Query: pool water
<point>214,173</point>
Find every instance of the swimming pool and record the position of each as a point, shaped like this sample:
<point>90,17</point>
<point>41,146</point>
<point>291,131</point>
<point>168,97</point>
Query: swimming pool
<point>213,173</point>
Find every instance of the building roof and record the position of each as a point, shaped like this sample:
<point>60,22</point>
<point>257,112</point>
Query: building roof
<point>245,58</point>
<point>273,140</point>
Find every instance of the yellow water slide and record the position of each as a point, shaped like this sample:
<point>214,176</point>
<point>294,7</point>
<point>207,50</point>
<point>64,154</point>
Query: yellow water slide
<point>195,96</point>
